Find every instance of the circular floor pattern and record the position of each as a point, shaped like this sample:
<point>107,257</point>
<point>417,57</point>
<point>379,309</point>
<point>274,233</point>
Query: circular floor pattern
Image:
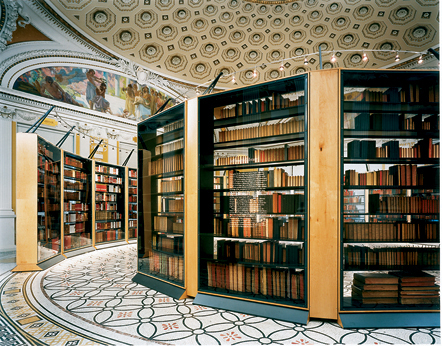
<point>91,300</point>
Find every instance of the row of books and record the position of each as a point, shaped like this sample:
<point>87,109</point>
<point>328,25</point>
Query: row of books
<point>173,245</point>
<point>48,166</point>
<point>170,185</point>
<point>132,198</point>
<point>72,205</point>
<point>255,180</point>
<point>273,282</point>
<point>73,162</point>
<point>108,179</point>
<point>82,239</point>
<point>132,232</point>
<point>399,175</point>
<point>133,182</point>
<point>401,287</point>
<point>107,215</point>
<point>165,165</point>
<point>107,225</point>
<point>78,227</point>
<point>290,228</point>
<point>106,169</point>
<point>166,266</point>
<point>276,101</point>
<point>108,188</point>
<point>355,199</point>
<point>364,257</point>
<point>113,234</point>
<point>410,93</point>
<point>106,206</point>
<point>267,252</point>
<point>133,207</point>
<point>168,224</point>
<point>70,173</point>
<point>76,217</point>
<point>74,195</point>
<point>69,185</point>
<point>44,151</point>
<point>267,155</point>
<point>133,173</point>
<point>391,231</point>
<point>101,197</point>
<point>174,126</point>
<point>132,214</point>
<point>394,122</point>
<point>165,148</point>
<point>132,190</point>
<point>291,126</point>
<point>132,223</point>
<point>46,206</point>
<point>367,149</point>
<point>170,205</point>
<point>403,204</point>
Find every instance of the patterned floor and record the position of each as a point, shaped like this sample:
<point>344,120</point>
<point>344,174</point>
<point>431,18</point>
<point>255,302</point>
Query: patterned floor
<point>91,300</point>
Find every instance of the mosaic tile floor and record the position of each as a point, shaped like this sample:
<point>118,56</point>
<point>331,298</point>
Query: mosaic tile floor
<point>91,300</point>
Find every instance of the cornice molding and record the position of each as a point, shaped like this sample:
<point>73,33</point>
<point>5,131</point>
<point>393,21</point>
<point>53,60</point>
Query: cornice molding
<point>10,10</point>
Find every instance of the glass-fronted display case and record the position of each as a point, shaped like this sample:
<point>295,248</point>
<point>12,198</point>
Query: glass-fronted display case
<point>390,191</point>
<point>132,203</point>
<point>253,199</point>
<point>161,202</point>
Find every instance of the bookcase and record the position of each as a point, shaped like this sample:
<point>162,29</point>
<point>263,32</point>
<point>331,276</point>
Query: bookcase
<point>132,216</point>
<point>253,200</point>
<point>77,207</point>
<point>109,203</point>
<point>39,201</point>
<point>390,208</point>
<point>161,233</point>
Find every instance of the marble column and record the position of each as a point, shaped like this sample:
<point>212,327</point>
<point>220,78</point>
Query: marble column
<point>7,215</point>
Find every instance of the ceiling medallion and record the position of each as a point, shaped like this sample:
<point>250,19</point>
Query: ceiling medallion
<point>271,2</point>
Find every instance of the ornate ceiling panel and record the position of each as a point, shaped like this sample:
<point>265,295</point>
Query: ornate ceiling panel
<point>193,40</point>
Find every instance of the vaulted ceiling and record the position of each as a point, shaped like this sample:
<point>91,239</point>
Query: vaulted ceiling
<point>194,40</point>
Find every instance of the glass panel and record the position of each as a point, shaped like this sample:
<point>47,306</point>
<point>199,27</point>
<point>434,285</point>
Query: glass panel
<point>49,199</point>
<point>109,203</point>
<point>133,211</point>
<point>77,209</point>
<point>161,201</point>
<point>390,191</point>
<point>253,193</point>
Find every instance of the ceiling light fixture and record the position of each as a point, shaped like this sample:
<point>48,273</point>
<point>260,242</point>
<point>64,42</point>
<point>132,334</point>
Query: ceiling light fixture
<point>233,79</point>
<point>333,58</point>
<point>305,61</point>
<point>397,58</point>
<point>281,68</point>
<point>255,73</point>
<point>364,56</point>
<point>421,60</point>
<point>197,91</point>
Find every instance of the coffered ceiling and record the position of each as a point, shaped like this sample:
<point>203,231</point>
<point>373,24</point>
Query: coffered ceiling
<point>195,40</point>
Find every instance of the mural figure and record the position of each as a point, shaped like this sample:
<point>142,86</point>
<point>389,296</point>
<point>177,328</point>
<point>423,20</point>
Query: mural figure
<point>153,102</point>
<point>56,91</point>
<point>129,108</point>
<point>91,87</point>
<point>101,104</point>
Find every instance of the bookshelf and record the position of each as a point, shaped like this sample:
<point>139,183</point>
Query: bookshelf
<point>132,204</point>
<point>161,233</point>
<point>77,207</point>
<point>390,253</point>
<point>109,203</point>
<point>39,201</point>
<point>253,200</point>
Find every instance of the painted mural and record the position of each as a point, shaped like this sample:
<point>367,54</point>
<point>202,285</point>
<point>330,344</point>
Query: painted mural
<point>99,90</point>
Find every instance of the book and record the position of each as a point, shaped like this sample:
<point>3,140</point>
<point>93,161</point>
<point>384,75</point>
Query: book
<point>358,292</point>
<point>376,278</point>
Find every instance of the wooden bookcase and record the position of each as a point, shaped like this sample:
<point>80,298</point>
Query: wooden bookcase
<point>110,204</point>
<point>77,206</point>
<point>161,231</point>
<point>390,188</point>
<point>253,250</point>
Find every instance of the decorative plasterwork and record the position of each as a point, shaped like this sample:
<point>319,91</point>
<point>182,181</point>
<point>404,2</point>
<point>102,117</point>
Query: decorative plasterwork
<point>7,113</point>
<point>9,12</point>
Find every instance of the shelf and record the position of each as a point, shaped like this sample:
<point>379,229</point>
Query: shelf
<point>110,174</point>
<point>74,222</point>
<point>108,220</point>
<point>280,139</point>
<point>263,214</point>
<point>169,234</point>
<point>289,188</point>
<point>114,193</point>
<point>167,175</point>
<point>99,182</point>
<point>387,187</point>
<point>255,165</point>
<point>165,138</point>
<point>393,161</point>
<point>163,194</point>
<point>76,211</point>
<point>405,267</point>
<point>260,117</point>
<point>168,253</point>
<point>165,213</point>
<point>391,107</point>
<point>256,264</point>
<point>211,235</point>
<point>73,168</point>
<point>399,242</point>
<point>389,134</point>
<point>383,214</point>
<point>166,154</point>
